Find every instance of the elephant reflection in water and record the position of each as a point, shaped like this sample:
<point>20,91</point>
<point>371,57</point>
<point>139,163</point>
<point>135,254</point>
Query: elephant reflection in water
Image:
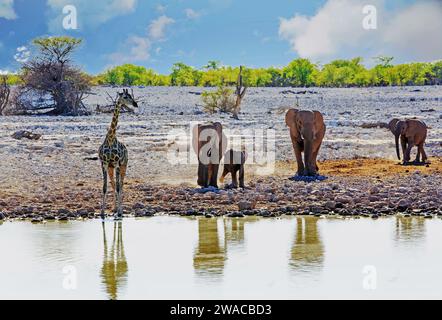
<point>115,269</point>
<point>410,229</point>
<point>234,231</point>
<point>210,255</point>
<point>307,251</point>
<point>214,238</point>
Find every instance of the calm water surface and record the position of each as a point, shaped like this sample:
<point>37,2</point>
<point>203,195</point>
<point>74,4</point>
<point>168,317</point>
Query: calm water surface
<point>179,258</point>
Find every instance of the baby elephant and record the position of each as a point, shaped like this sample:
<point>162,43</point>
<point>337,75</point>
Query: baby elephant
<point>411,132</point>
<point>234,162</point>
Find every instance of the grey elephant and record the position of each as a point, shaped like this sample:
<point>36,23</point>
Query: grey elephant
<point>411,133</point>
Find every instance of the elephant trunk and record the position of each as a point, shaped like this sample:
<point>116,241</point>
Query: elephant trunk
<point>308,153</point>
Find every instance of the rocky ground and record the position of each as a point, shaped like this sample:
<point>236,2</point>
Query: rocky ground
<point>58,177</point>
<point>359,187</point>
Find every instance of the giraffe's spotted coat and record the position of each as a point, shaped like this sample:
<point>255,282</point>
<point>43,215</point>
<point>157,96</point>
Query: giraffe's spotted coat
<point>114,157</point>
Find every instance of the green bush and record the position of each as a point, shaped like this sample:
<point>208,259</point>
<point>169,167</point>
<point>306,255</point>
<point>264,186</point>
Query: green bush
<point>298,73</point>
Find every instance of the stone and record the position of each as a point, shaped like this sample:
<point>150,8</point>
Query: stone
<point>2,216</point>
<point>26,134</point>
<point>374,190</point>
<point>374,198</point>
<point>235,215</point>
<point>403,205</point>
<point>37,220</point>
<point>331,205</point>
<point>246,205</point>
<point>138,205</point>
<point>344,199</point>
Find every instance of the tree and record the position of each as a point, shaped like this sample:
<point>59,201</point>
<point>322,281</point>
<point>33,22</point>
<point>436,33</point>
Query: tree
<point>384,61</point>
<point>52,73</point>
<point>184,75</point>
<point>299,73</point>
<point>5,92</point>
<point>437,72</point>
<point>224,99</point>
<point>212,65</point>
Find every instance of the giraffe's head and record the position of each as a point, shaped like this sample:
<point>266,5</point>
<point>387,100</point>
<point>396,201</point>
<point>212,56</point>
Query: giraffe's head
<point>127,100</point>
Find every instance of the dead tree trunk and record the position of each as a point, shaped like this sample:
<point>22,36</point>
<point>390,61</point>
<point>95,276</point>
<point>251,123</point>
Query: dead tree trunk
<point>5,92</point>
<point>240,93</point>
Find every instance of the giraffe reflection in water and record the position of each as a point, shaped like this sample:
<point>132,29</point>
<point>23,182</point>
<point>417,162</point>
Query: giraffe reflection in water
<point>410,229</point>
<point>115,269</point>
<point>307,252</point>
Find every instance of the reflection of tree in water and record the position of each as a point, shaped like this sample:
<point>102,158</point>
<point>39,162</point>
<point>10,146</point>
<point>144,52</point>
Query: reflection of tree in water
<point>114,270</point>
<point>410,229</point>
<point>210,255</point>
<point>307,251</point>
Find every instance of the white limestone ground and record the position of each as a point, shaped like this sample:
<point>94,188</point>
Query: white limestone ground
<point>67,141</point>
<point>56,171</point>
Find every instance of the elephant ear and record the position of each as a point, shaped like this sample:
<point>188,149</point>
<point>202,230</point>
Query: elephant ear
<point>392,125</point>
<point>401,127</point>
<point>195,139</point>
<point>291,117</point>
<point>319,118</point>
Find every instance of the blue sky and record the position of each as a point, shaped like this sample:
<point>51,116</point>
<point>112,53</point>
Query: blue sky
<point>157,34</point>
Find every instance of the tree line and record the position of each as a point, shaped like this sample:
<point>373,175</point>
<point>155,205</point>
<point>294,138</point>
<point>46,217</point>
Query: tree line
<point>298,73</point>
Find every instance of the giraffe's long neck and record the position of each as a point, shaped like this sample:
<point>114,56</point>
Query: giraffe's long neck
<point>112,133</point>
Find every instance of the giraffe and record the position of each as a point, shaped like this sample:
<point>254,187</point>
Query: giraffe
<point>114,157</point>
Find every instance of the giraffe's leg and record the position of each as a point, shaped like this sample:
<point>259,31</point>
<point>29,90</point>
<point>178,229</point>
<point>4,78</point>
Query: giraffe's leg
<point>111,173</point>
<point>103,203</point>
<point>123,170</point>
<point>118,185</point>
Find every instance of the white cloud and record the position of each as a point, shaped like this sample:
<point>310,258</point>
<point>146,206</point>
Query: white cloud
<point>22,54</point>
<point>336,31</point>
<point>138,48</point>
<point>417,30</point>
<point>7,9</point>
<point>90,13</point>
<point>161,8</point>
<point>157,28</point>
<point>192,14</point>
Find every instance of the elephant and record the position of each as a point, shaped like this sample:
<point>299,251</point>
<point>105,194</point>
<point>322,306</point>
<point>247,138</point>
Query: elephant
<point>307,131</point>
<point>234,162</point>
<point>209,143</point>
<point>411,132</point>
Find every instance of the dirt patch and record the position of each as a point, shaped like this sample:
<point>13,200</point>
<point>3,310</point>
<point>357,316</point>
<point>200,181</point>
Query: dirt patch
<point>366,168</point>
